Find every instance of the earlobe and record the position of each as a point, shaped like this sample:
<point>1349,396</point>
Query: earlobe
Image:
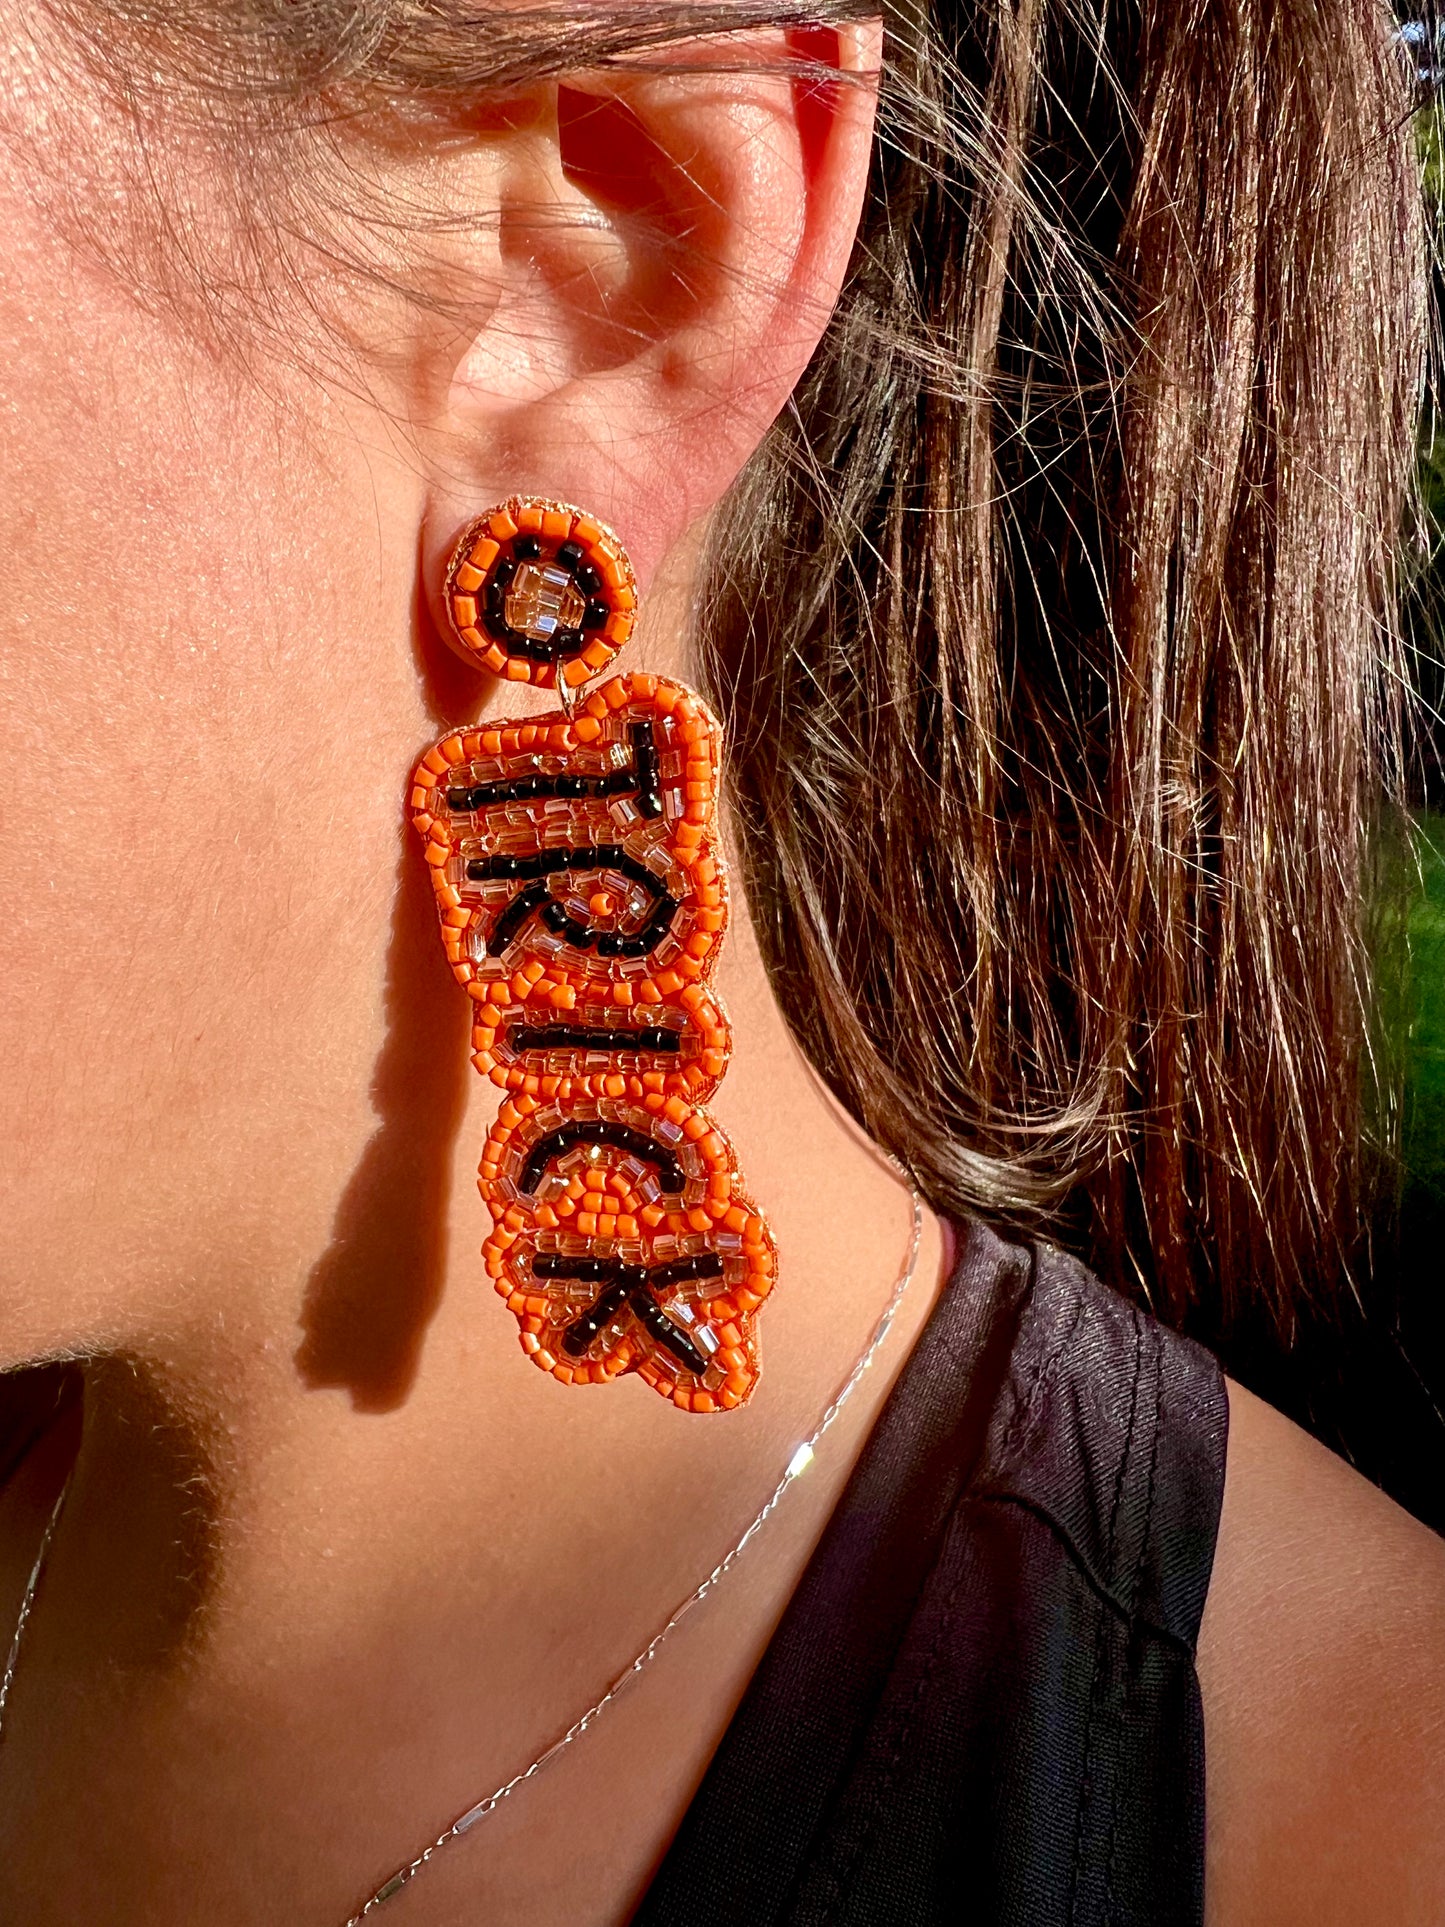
<point>670,250</point>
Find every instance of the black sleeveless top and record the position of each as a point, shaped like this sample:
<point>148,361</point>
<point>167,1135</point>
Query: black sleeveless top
<point>981,1705</point>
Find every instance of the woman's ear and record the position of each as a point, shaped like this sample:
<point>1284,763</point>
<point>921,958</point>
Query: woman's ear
<point>667,251</point>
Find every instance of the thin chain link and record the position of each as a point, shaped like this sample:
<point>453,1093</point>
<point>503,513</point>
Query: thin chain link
<point>798,1464</point>
<point>29,1600</point>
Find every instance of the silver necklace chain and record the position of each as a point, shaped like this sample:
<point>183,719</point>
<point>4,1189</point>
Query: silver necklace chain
<point>800,1461</point>
<point>28,1601</point>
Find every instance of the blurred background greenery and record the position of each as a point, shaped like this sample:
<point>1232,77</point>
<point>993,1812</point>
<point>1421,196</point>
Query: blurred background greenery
<point>1423,1134</point>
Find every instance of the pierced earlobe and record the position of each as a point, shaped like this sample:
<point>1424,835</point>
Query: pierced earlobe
<point>583,903</point>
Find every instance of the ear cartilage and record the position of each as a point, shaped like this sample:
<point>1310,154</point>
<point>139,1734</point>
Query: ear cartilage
<point>539,592</point>
<point>583,903</point>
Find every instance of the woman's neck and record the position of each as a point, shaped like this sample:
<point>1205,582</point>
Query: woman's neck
<point>230,1483</point>
<point>333,1504</point>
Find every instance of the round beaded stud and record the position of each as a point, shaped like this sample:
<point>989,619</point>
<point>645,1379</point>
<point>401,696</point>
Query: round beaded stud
<point>541,593</point>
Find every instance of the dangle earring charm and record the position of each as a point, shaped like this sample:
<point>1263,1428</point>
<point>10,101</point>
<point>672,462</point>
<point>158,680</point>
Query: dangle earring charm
<point>583,901</point>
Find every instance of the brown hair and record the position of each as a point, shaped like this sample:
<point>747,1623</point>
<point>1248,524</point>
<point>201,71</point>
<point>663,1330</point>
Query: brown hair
<point>1055,637</point>
<point>1061,670</point>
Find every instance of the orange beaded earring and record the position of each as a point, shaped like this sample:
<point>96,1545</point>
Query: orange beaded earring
<point>583,901</point>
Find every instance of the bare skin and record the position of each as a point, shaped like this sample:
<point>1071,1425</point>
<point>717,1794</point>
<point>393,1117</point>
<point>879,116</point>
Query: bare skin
<point>1322,1665</point>
<point>335,1561</point>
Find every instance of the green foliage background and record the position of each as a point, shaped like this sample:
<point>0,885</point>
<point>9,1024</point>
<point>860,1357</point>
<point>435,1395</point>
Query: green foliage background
<point>1424,1117</point>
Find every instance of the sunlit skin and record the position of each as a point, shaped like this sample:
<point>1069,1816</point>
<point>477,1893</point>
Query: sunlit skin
<point>336,1561</point>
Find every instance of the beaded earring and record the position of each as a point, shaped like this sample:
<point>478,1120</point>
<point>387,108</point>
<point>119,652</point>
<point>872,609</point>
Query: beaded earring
<point>583,902</point>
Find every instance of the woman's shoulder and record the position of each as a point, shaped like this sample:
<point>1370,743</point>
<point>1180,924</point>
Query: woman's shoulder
<point>1322,1668</point>
<point>1321,1653</point>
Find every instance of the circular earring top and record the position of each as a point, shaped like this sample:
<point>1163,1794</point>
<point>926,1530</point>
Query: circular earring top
<point>541,592</point>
